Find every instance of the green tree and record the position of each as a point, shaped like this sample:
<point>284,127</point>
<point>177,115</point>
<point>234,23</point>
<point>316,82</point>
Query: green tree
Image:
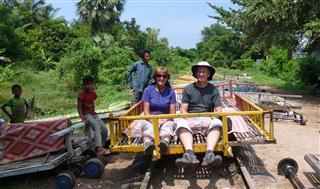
<point>9,39</point>
<point>113,68</point>
<point>47,42</point>
<point>132,36</point>
<point>264,23</point>
<point>100,14</point>
<point>219,45</point>
<point>276,59</point>
<point>82,59</point>
<point>152,38</point>
<point>34,12</point>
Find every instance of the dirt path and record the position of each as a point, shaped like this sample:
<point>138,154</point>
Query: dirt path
<point>293,141</point>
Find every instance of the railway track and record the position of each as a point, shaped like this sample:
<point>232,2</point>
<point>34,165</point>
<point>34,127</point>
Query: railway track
<point>164,174</point>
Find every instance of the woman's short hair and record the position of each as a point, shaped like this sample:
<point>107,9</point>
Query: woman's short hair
<point>161,70</point>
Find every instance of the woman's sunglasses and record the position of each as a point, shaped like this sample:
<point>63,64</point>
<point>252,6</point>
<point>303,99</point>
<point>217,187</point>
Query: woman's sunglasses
<point>163,76</point>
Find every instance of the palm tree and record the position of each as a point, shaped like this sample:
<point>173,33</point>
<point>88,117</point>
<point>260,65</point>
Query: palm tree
<point>35,11</point>
<point>100,14</point>
<point>152,38</point>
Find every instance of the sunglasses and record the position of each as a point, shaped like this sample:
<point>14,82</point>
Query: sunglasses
<point>163,76</point>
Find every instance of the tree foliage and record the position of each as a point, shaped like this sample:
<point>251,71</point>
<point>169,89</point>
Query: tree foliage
<point>9,22</point>
<point>47,41</point>
<point>78,63</point>
<point>132,36</point>
<point>115,65</point>
<point>220,46</point>
<point>283,23</point>
<point>100,14</point>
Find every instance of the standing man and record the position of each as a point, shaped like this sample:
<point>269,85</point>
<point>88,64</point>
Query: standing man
<point>198,97</point>
<point>142,73</point>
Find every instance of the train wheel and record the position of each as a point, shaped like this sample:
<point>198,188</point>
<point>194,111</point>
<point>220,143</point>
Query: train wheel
<point>65,180</point>
<point>287,166</point>
<point>303,120</point>
<point>93,168</point>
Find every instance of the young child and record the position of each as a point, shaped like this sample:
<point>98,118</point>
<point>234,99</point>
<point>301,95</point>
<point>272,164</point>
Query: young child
<point>18,105</point>
<point>88,115</point>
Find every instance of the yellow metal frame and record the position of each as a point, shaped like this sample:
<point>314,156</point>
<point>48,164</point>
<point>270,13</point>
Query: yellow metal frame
<point>249,109</point>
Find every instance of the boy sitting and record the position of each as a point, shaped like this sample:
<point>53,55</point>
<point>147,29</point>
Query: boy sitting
<point>18,105</point>
<point>88,115</point>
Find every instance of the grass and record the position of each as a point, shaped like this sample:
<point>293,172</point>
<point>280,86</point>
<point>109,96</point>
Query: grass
<point>52,98</point>
<point>262,79</point>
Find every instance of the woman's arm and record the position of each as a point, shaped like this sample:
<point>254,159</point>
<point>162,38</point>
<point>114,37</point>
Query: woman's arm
<point>146,108</point>
<point>172,109</point>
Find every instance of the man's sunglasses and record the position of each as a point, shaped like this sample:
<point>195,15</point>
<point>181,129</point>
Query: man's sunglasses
<point>164,76</point>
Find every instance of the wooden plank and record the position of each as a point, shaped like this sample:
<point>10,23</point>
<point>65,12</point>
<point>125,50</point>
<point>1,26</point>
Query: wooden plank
<point>246,175</point>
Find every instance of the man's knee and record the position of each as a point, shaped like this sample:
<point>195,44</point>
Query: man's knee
<point>183,130</point>
<point>216,129</point>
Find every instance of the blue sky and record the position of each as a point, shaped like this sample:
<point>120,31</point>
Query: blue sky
<point>180,21</point>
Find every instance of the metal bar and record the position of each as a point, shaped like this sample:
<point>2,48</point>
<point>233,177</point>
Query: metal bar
<point>271,127</point>
<point>230,86</point>
<point>129,132</point>
<point>112,141</point>
<point>295,181</point>
<point>68,144</point>
<point>155,123</point>
<point>66,131</point>
<point>207,114</point>
<point>225,139</point>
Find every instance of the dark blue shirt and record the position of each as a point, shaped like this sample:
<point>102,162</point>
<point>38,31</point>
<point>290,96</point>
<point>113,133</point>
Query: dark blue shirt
<point>141,76</point>
<point>159,101</point>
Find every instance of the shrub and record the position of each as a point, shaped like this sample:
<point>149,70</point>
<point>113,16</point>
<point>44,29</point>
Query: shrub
<point>273,66</point>
<point>242,64</point>
<point>179,65</point>
<point>270,67</point>
<point>115,65</point>
<point>73,67</point>
<point>291,71</point>
<point>162,56</point>
<point>280,56</point>
<point>309,69</point>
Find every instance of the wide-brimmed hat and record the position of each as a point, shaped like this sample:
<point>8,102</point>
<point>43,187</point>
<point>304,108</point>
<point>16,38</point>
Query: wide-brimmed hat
<point>205,64</point>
